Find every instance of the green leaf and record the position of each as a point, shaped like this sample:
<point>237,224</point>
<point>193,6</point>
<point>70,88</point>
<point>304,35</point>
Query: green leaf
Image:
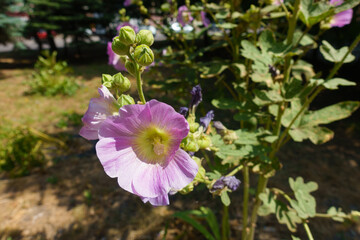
<point>312,13</point>
<point>247,138</point>
<point>212,221</point>
<point>335,82</point>
<point>295,238</point>
<point>185,217</point>
<point>263,97</point>
<point>347,5</point>
<point>333,55</point>
<point>226,25</point>
<point>251,52</point>
<point>225,198</point>
<point>213,70</point>
<point>316,134</point>
<point>336,214</point>
<point>284,214</point>
<point>330,114</point>
<point>225,103</point>
<point>305,204</point>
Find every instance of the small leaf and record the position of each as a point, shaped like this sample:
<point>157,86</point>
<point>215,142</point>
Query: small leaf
<point>335,82</point>
<point>225,198</point>
<point>226,25</point>
<point>333,55</point>
<point>213,70</point>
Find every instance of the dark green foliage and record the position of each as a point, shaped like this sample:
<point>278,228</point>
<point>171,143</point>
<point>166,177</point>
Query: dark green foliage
<point>52,77</point>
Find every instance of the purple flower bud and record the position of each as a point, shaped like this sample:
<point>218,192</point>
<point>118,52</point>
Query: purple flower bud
<point>219,127</point>
<point>196,96</point>
<point>205,121</point>
<point>183,111</point>
<point>229,181</point>
<point>218,185</point>
<point>232,182</point>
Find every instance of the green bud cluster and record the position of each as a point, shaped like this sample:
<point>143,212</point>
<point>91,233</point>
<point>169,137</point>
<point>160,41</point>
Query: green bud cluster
<point>117,82</point>
<point>135,46</point>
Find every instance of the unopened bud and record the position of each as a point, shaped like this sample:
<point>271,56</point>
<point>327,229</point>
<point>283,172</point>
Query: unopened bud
<point>194,126</point>
<point>143,55</point>
<point>118,47</point>
<point>130,67</point>
<point>145,37</point>
<point>204,142</point>
<point>127,35</point>
<point>106,80</point>
<point>121,83</point>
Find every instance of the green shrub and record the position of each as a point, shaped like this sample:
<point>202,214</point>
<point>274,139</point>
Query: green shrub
<point>21,152</point>
<point>52,77</point>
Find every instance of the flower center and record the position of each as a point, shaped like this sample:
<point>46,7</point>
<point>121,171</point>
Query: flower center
<point>152,145</point>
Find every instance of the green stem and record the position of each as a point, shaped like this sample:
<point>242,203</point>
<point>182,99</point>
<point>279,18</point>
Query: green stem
<point>308,232</point>
<point>305,105</point>
<point>139,85</point>
<point>261,188</point>
<point>290,37</point>
<point>233,172</point>
<point>246,185</point>
<point>225,224</point>
<point>339,64</point>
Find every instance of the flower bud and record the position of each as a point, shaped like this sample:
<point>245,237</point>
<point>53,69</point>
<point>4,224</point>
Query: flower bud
<point>121,83</point>
<point>190,144</point>
<point>204,142</point>
<point>118,47</point>
<point>125,100</point>
<point>193,126</point>
<point>189,188</point>
<point>130,67</point>
<point>127,35</point>
<point>107,80</point>
<point>145,37</point>
<point>143,55</point>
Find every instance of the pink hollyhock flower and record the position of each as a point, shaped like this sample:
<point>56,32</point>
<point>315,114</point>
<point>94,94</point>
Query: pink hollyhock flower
<point>140,147</point>
<point>114,59</point>
<point>184,15</point>
<point>342,18</point>
<point>99,109</point>
<point>204,19</point>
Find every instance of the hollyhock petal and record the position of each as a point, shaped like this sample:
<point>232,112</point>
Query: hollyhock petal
<point>341,19</point>
<point>181,171</point>
<point>150,181</point>
<point>98,111</point>
<point>89,133</point>
<point>112,129</point>
<point>166,117</point>
<point>118,160</point>
<point>158,201</point>
<point>184,15</point>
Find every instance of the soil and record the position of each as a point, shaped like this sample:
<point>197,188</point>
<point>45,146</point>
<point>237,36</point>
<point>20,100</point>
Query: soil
<point>72,197</point>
